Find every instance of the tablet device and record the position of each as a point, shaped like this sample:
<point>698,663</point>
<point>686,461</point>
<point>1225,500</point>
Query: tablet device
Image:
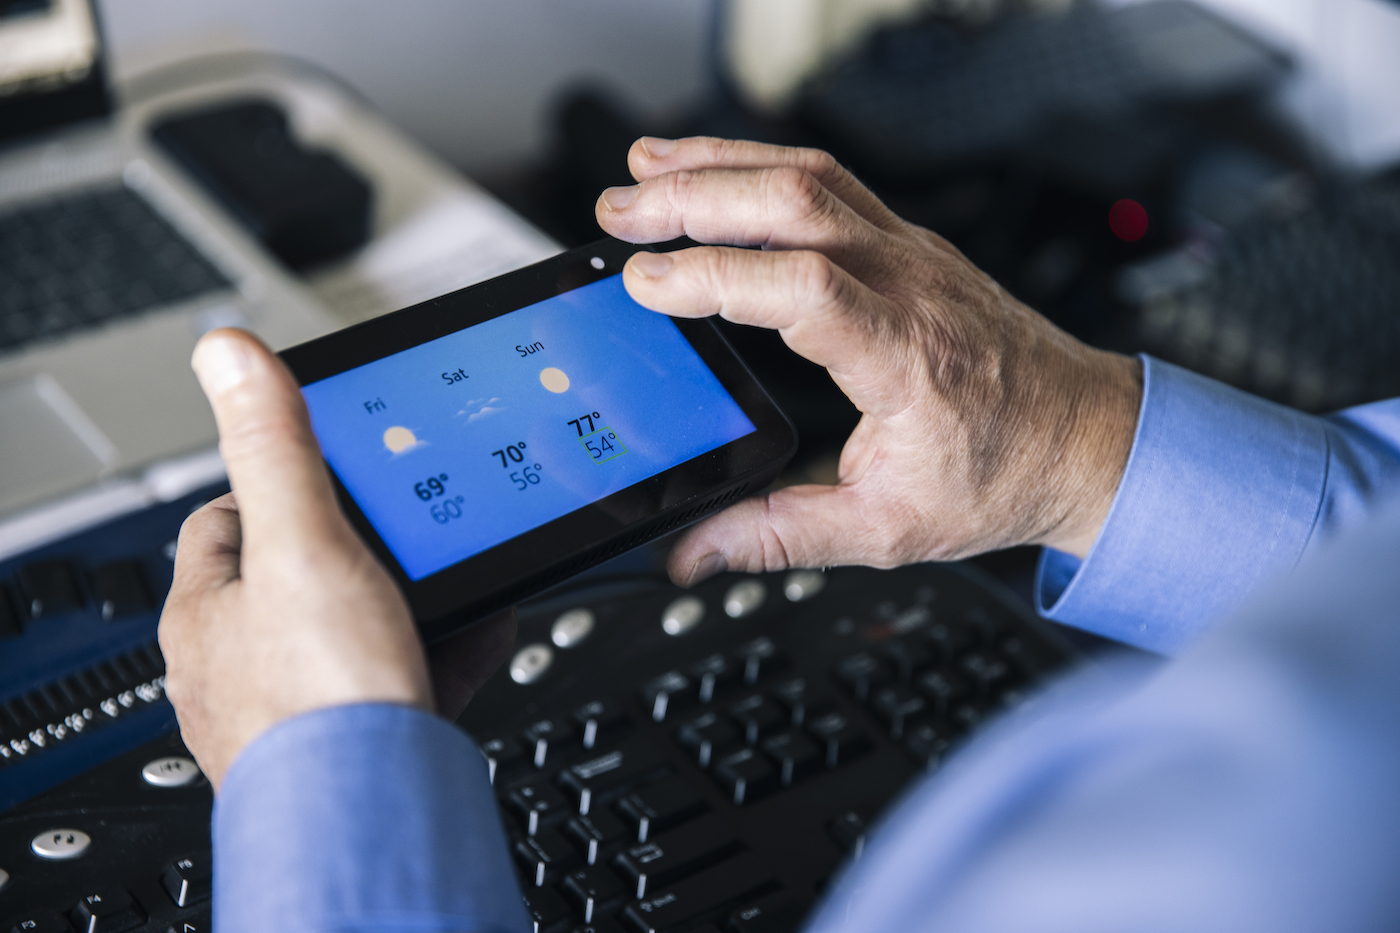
<point>492,442</point>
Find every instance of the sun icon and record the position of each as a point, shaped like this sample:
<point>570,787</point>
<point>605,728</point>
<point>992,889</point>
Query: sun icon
<point>555,380</point>
<point>398,439</point>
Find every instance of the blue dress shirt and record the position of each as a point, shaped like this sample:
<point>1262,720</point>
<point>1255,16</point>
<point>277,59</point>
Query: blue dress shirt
<point>1247,785</point>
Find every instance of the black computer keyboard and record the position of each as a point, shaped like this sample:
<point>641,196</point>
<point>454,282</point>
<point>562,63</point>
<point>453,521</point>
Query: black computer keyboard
<point>1303,309</point>
<point>84,258</point>
<point>664,759</point>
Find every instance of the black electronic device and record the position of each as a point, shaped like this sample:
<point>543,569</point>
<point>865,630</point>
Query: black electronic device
<point>492,442</point>
<point>304,204</point>
<point>663,759</point>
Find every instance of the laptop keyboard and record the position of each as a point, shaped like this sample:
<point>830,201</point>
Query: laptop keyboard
<point>87,258</point>
<point>664,760</point>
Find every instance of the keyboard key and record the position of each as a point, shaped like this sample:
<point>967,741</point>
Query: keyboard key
<point>659,806</point>
<point>758,659</point>
<point>841,739</point>
<point>43,921</point>
<point>107,910</point>
<point>548,911</point>
<point>610,771</point>
<point>987,672</point>
<point>120,589</point>
<point>897,706</point>
<point>190,879</point>
<point>597,717</point>
<point>594,832</point>
<point>745,775</point>
<point>671,856</point>
<point>545,856</point>
<point>713,674</point>
<point>757,716</point>
<point>744,598</point>
<point>849,830</point>
<point>593,889</point>
<point>796,755</point>
<point>944,689</point>
<point>547,737</point>
<point>947,641</point>
<point>803,584</point>
<point>665,694</point>
<point>799,698</point>
<point>603,924</point>
<point>502,755</point>
<point>538,802</point>
<point>708,891</point>
<point>861,674</point>
<point>928,743</point>
<point>773,915</point>
<point>705,734</point>
<point>49,588</point>
<point>909,657</point>
<point>201,921</point>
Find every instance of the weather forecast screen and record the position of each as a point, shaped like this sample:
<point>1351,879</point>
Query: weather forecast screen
<point>468,440</point>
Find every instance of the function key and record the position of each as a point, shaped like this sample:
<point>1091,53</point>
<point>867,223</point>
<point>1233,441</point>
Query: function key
<point>745,775</point>
<point>60,845</point>
<point>797,756</point>
<point>662,695</point>
<point>546,737</point>
<point>758,658</point>
<point>190,879</point>
<point>43,921</point>
<point>713,673</point>
<point>594,889</point>
<point>595,830</point>
<point>896,706</point>
<point>744,598</point>
<point>682,615</point>
<point>572,628</point>
<point>666,803</point>
<point>531,662</point>
<point>840,737</point>
<point>107,910</point>
<point>862,673</point>
<point>757,716</point>
<point>705,734</point>
<point>49,588</point>
<point>803,584</point>
<point>119,588</point>
<point>595,717</point>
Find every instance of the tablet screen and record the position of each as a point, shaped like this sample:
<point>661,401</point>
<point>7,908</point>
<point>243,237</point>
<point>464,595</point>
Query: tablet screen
<point>468,440</point>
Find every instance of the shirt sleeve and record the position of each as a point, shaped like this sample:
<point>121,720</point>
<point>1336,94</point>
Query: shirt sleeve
<point>370,817</point>
<point>1222,490</point>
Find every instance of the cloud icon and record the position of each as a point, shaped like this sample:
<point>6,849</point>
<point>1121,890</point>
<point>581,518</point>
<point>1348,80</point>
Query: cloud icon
<point>488,407</point>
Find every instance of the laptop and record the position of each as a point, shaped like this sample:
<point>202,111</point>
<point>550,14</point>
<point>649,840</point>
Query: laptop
<point>112,264</point>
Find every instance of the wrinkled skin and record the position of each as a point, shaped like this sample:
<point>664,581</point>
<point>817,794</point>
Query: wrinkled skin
<point>983,426</point>
<point>277,607</point>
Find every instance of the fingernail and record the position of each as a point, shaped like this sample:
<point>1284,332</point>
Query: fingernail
<point>657,147</point>
<point>618,198</point>
<point>220,364</point>
<point>652,265</point>
<point>707,567</point>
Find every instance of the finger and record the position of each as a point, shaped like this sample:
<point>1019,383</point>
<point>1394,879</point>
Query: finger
<point>650,156</point>
<point>274,463</point>
<point>801,526</point>
<point>777,208</point>
<point>822,312</point>
<point>207,553</point>
<point>462,663</point>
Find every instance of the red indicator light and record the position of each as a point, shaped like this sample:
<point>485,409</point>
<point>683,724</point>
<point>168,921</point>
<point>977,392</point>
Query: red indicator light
<point>1128,221</point>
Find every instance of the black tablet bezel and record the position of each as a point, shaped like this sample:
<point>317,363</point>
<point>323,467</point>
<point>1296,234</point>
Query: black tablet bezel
<point>467,586</point>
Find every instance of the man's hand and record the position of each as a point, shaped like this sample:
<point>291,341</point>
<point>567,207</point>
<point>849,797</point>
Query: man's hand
<point>277,607</point>
<point>983,425</point>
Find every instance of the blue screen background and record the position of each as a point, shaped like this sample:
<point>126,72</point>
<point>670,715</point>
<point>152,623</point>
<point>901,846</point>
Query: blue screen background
<point>446,407</point>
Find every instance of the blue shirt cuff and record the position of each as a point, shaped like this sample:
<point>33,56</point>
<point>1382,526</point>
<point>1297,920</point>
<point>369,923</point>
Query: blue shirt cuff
<point>364,817</point>
<point>1222,489</point>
